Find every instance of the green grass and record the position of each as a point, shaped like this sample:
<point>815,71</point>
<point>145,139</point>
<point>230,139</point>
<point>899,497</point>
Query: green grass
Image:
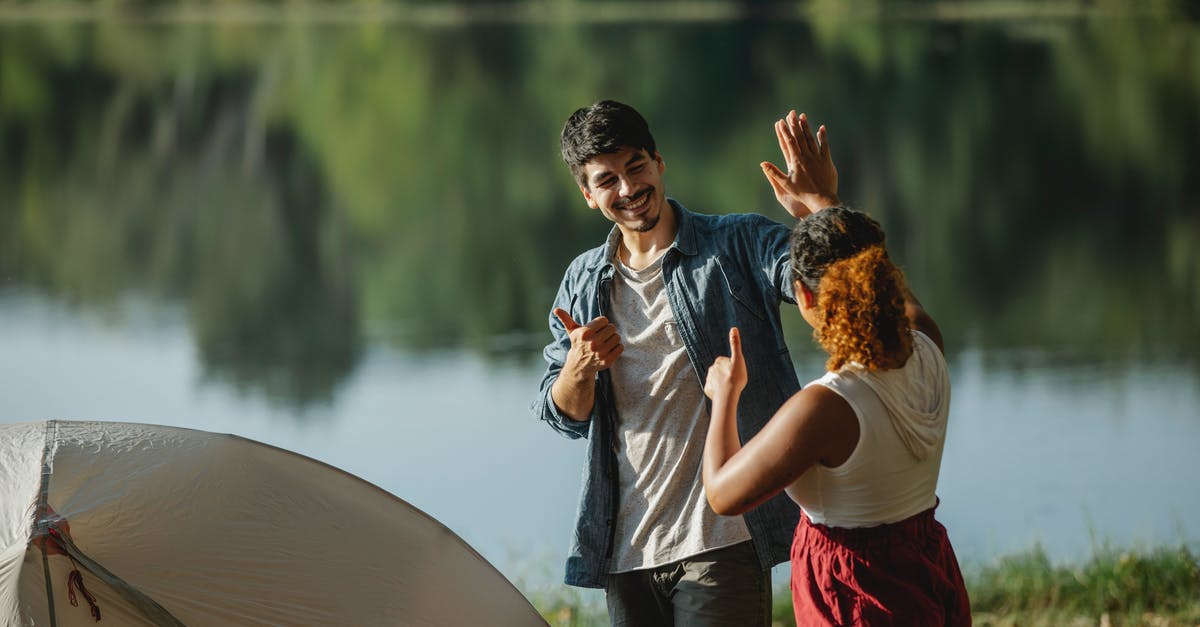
<point>1158,587</point>
<point>1120,587</point>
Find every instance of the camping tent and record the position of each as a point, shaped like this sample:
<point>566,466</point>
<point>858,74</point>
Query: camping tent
<point>149,525</point>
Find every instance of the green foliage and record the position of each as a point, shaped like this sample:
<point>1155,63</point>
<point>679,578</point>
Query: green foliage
<point>1122,583</point>
<point>297,186</point>
<point>1120,586</point>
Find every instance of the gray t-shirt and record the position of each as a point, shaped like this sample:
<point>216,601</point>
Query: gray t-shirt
<point>663,515</point>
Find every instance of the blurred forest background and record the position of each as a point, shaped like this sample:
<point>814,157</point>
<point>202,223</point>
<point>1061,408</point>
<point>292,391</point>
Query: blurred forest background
<point>355,214</point>
<point>298,185</point>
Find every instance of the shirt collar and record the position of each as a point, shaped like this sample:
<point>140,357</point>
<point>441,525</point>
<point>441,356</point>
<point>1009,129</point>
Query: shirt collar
<point>685,234</point>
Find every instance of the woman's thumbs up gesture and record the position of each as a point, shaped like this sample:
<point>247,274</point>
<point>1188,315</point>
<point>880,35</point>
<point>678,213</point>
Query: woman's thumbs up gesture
<point>727,375</point>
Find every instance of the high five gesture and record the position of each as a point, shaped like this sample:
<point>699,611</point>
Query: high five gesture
<point>811,181</point>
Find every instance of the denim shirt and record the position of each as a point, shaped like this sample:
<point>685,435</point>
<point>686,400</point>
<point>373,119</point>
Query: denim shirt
<point>720,272</point>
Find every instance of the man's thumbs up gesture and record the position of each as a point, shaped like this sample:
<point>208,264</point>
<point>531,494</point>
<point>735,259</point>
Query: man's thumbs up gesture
<point>594,346</point>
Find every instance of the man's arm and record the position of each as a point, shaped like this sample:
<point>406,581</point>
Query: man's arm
<point>811,181</point>
<point>920,319</point>
<point>809,185</point>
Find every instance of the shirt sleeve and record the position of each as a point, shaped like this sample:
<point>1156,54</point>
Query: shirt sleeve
<point>555,354</point>
<point>774,245</point>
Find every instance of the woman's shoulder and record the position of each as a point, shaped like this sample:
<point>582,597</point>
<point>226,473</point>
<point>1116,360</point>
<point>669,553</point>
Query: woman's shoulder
<point>928,351</point>
<point>831,416</point>
<point>833,390</point>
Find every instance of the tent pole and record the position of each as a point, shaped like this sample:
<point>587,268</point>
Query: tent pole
<point>43,500</point>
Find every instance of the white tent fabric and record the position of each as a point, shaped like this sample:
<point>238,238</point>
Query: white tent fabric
<point>170,526</point>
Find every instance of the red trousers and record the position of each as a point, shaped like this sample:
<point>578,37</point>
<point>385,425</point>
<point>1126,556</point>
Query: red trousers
<point>902,573</point>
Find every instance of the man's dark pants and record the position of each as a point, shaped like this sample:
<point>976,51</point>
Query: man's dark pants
<point>719,588</point>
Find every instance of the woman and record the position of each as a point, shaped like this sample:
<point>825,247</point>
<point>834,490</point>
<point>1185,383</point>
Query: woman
<point>859,448</point>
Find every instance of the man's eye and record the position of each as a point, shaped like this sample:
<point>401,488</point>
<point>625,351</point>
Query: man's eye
<point>637,168</point>
<point>606,182</point>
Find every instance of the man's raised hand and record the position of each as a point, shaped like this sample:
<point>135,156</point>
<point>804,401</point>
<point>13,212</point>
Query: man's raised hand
<point>595,346</point>
<point>811,181</point>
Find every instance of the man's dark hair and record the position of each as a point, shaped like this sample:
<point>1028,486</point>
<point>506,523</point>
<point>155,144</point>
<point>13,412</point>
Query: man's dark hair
<point>603,128</point>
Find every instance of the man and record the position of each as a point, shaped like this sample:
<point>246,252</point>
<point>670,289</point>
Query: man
<point>636,323</point>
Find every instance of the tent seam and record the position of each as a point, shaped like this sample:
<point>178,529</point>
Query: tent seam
<point>39,512</point>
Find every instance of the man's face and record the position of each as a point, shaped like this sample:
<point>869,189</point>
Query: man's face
<point>626,186</point>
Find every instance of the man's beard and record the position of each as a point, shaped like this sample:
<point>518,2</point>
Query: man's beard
<point>647,225</point>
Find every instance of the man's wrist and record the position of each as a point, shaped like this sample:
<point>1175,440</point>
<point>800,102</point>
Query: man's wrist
<point>818,202</point>
<point>578,374</point>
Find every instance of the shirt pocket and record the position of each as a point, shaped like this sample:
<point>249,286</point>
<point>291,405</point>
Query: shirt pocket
<point>741,289</point>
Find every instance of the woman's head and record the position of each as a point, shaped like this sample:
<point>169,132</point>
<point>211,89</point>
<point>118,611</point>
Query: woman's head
<point>850,290</point>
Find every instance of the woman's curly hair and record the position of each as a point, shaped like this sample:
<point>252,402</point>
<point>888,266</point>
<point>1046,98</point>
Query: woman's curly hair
<point>839,255</point>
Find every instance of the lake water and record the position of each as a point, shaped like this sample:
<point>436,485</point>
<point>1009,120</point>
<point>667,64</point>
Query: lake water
<point>1070,457</point>
<point>342,240</point>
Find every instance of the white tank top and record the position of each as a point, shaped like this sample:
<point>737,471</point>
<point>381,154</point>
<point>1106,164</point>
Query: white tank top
<point>893,471</point>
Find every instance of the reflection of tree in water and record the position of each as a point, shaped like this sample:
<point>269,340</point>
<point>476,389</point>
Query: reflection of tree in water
<point>1020,221</point>
<point>279,313</point>
<point>1033,176</point>
<point>127,188</point>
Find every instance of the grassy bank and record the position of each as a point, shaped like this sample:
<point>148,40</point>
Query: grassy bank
<point>1159,587</point>
<point>1116,587</point>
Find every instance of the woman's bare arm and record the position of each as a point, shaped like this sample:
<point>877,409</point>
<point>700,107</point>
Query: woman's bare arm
<point>814,426</point>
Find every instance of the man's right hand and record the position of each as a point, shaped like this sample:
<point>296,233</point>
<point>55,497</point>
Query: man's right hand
<point>595,346</point>
<point>811,181</point>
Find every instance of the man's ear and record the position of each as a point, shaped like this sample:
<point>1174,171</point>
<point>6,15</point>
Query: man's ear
<point>662,165</point>
<point>587,195</point>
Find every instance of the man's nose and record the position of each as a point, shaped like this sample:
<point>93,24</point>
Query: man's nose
<point>626,185</point>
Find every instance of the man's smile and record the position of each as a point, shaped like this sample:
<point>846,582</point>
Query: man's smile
<point>638,203</point>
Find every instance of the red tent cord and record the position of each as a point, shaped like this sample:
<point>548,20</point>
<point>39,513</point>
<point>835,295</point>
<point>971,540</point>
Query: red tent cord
<point>75,580</point>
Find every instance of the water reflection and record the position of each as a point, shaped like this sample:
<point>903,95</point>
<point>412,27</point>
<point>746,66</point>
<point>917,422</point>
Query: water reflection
<point>1068,456</point>
<point>294,187</point>
<point>342,240</point>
